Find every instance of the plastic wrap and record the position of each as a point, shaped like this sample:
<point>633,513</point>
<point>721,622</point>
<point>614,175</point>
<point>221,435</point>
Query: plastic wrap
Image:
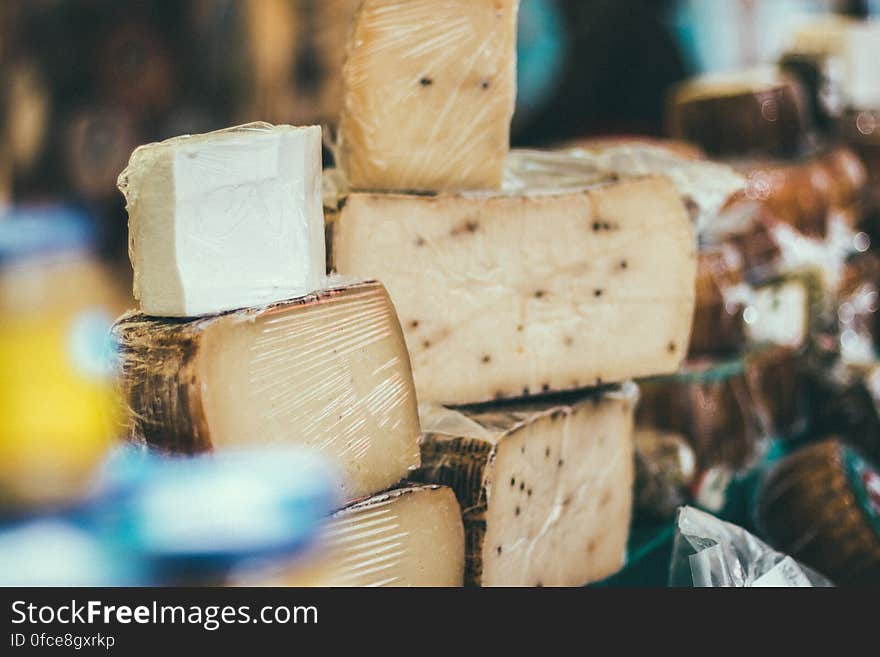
<point>242,209</point>
<point>409,536</point>
<point>705,187</point>
<point>756,111</point>
<point>328,371</point>
<point>821,504</point>
<point>709,552</point>
<point>537,482</point>
<point>710,402</point>
<point>428,94</point>
<point>547,289</point>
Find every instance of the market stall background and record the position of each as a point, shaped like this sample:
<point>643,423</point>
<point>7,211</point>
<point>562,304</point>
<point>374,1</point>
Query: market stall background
<point>85,82</point>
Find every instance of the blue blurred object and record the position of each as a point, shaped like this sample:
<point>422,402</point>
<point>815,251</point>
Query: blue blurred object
<point>41,230</point>
<point>541,51</point>
<point>154,519</point>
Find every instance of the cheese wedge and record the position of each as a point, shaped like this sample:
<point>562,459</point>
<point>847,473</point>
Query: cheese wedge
<point>511,294</point>
<point>409,536</point>
<point>328,371</point>
<point>545,488</point>
<point>428,94</point>
<point>225,220</point>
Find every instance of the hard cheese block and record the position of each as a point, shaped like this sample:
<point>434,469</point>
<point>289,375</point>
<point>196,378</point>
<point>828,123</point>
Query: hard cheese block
<point>504,295</point>
<point>225,220</point>
<point>328,371</point>
<point>821,504</point>
<point>410,536</point>
<point>545,489</point>
<point>429,90</point>
<point>754,111</point>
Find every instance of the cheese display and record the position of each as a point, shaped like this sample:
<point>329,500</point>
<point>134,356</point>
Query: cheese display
<point>781,311</point>
<point>545,488</point>
<point>822,505</point>
<point>409,536</point>
<point>328,371</point>
<point>758,111</point>
<point>428,94</point>
<point>710,402</point>
<point>225,220</point>
<point>511,294</point>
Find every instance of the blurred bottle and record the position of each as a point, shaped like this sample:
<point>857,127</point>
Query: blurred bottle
<point>57,402</point>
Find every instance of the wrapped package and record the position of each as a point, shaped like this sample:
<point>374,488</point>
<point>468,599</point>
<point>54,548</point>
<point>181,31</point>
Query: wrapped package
<point>806,194</point>
<point>708,401</point>
<point>708,552</point>
<point>666,467</point>
<point>332,21</point>
<point>494,304</point>
<point>545,487</point>
<point>428,94</point>
<point>225,220</point>
<point>328,371</point>
<point>408,536</point>
<point>821,504</point>
<point>757,111</point>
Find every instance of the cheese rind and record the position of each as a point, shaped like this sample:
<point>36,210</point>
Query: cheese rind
<point>505,295</point>
<point>329,371</point>
<point>409,536</point>
<point>429,91</point>
<point>545,488</point>
<point>225,220</point>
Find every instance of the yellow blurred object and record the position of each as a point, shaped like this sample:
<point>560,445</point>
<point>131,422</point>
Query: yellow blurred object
<point>58,407</point>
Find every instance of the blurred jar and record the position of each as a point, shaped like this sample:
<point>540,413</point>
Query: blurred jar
<point>58,407</point>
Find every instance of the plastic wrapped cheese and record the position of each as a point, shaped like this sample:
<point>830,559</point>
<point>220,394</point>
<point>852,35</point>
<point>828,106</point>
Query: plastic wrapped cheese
<point>328,371</point>
<point>754,111</point>
<point>225,220</point>
<point>545,487</point>
<point>428,94</point>
<point>408,536</point>
<point>556,283</point>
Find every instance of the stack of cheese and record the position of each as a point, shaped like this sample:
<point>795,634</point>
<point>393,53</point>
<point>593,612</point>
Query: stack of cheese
<point>241,341</point>
<point>530,287</point>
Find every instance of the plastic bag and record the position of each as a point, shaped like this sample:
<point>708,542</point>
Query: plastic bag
<point>708,552</point>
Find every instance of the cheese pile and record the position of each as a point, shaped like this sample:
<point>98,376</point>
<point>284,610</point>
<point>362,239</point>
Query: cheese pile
<point>524,291</point>
<point>241,340</point>
<point>530,286</point>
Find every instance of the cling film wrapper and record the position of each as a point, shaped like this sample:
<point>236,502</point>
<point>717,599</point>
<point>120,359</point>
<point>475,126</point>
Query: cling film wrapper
<point>429,113</point>
<point>708,552</point>
<point>327,371</point>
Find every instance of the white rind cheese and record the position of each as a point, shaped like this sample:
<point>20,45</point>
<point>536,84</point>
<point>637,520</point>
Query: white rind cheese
<point>505,295</point>
<point>410,536</point>
<point>225,220</point>
<point>545,489</point>
<point>429,91</point>
<point>329,371</point>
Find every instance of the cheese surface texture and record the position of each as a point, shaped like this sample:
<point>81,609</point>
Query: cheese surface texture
<point>225,220</point>
<point>545,489</point>
<point>329,371</point>
<point>505,295</point>
<point>409,536</point>
<point>428,94</point>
